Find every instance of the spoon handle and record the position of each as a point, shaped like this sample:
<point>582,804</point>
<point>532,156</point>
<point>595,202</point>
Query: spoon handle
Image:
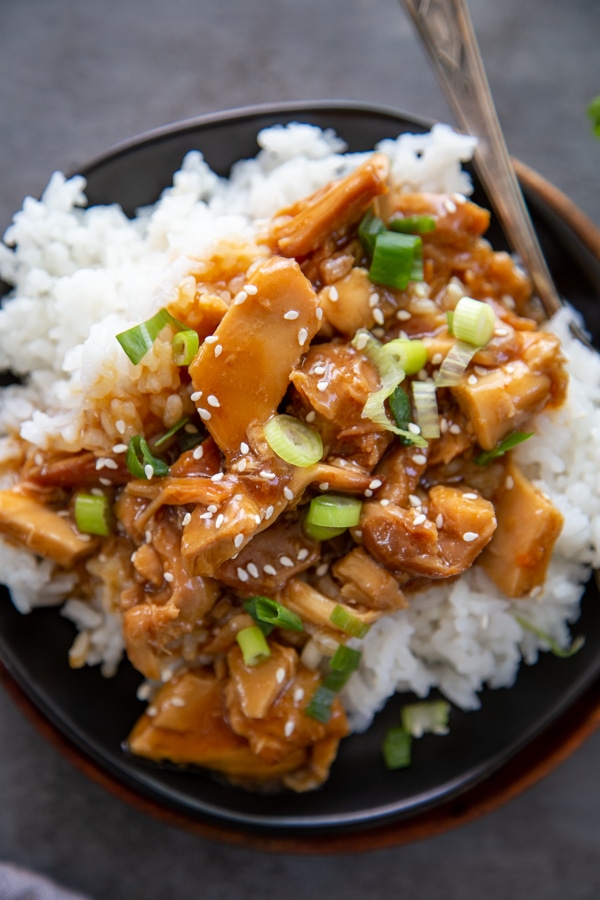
<point>446,30</point>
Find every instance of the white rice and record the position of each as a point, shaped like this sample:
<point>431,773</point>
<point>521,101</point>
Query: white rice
<point>82,275</point>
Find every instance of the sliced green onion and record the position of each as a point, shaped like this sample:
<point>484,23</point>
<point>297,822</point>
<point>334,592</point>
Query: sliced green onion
<point>391,374</point>
<point>348,623</point>
<point>294,441</point>
<point>345,659</point>
<point>400,407</point>
<point>269,614</point>
<point>185,346</point>
<point>370,226</point>
<point>426,408</point>
<point>320,704</point>
<point>593,111</point>
<point>394,258</point>
<point>412,224</point>
<point>429,717</point>
<point>139,458</point>
<point>555,648</point>
<point>166,437</point>
<point>397,747</point>
<point>92,514</point>
<point>253,645</point>
<point>450,321</point>
<point>473,321</point>
<point>455,364</point>
<point>321,532</point>
<point>412,355</point>
<point>416,271</point>
<point>137,341</point>
<point>334,511</point>
<point>513,440</point>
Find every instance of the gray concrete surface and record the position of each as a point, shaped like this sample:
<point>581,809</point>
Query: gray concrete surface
<point>77,77</point>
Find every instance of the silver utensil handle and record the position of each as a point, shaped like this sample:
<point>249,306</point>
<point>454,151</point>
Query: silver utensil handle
<point>446,30</point>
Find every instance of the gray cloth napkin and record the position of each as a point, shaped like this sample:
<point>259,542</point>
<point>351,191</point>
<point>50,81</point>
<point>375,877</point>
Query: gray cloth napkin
<point>19,884</point>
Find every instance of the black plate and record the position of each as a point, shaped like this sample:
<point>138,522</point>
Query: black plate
<point>97,714</point>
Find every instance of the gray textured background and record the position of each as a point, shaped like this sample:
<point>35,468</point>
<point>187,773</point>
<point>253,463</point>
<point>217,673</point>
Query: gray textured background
<point>77,77</point>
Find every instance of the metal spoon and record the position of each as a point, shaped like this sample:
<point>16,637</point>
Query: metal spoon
<point>446,30</point>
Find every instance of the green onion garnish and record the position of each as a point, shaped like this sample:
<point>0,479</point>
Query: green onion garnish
<point>334,511</point>
<point>370,226</point>
<point>253,645</point>
<point>348,623</point>
<point>140,461</point>
<point>555,648</point>
<point>412,355</point>
<point>396,259</point>
<point>185,346</point>
<point>455,364</point>
<point>166,437</point>
<point>426,408</point>
<point>345,659</point>
<point>513,440</point>
<point>450,321</point>
<point>429,717</point>
<point>594,114</point>
<point>320,532</point>
<point>137,341</point>
<point>92,514</point>
<point>473,321</point>
<point>412,224</point>
<point>397,746</point>
<point>400,407</point>
<point>319,707</point>
<point>269,614</point>
<point>294,441</point>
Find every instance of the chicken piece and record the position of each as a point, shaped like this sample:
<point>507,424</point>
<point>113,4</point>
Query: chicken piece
<point>440,540</point>
<point>504,399</point>
<point>366,582</point>
<point>330,210</point>
<point>257,687</point>
<point>270,559</point>
<point>334,381</point>
<point>346,304</point>
<point>315,608</point>
<point>79,470</point>
<point>42,530</point>
<point>286,728</point>
<point>517,557</point>
<point>190,728</point>
<point>400,473</point>
<point>261,340</point>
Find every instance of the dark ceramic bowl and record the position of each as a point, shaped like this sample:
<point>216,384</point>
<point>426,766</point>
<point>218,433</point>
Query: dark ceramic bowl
<point>517,734</point>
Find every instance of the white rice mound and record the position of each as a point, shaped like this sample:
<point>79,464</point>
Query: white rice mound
<point>82,275</point>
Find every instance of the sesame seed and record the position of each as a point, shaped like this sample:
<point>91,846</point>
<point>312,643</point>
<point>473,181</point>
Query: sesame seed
<point>168,576</point>
<point>403,315</point>
<point>148,471</point>
<point>238,540</point>
<point>241,298</point>
<point>241,465</point>
<point>324,486</point>
<point>469,496</point>
<point>311,416</point>
<point>469,536</point>
<point>213,401</point>
<point>257,519</point>
<point>120,426</point>
<point>374,299</point>
<point>242,574</point>
<point>420,459</point>
<point>186,519</point>
<point>219,520</point>
<point>212,508</point>
<point>322,386</point>
<point>443,426</point>
<point>384,502</point>
<point>414,500</point>
<point>510,369</point>
<point>280,675</point>
<point>105,481</point>
<point>211,339</point>
<point>291,315</point>
<point>288,728</point>
<point>148,536</point>
<point>218,476</point>
<point>268,476</point>
<point>288,493</point>
<point>205,415</point>
<point>502,332</point>
<point>319,370</point>
<point>177,701</point>
<point>323,569</point>
<point>368,493</point>
<point>378,316</point>
<point>244,448</point>
<point>218,349</point>
<point>269,512</point>
<point>302,554</point>
<point>450,206</point>
<point>479,370</point>
<point>414,428</point>
<point>196,396</point>
<point>436,359</point>
<point>439,522</point>
<point>333,294</point>
<point>119,448</point>
<point>253,570</point>
<point>286,561</point>
<point>509,483</point>
<point>410,471</point>
<point>198,452</point>
<point>250,289</point>
<point>472,379</point>
<point>302,336</point>
<point>206,515</point>
<point>299,694</point>
<point>151,711</point>
<point>361,341</point>
<point>269,569</point>
<point>319,313</point>
<point>454,429</point>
